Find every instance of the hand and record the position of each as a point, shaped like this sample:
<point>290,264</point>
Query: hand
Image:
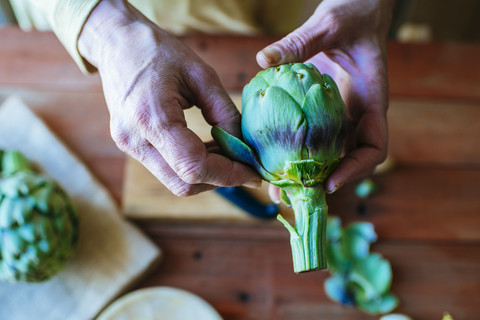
<point>347,40</point>
<point>149,77</point>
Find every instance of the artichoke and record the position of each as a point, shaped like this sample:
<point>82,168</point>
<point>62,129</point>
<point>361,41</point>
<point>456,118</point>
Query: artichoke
<point>294,124</point>
<point>38,224</point>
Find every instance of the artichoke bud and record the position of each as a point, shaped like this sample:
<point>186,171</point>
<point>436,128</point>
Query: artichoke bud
<point>294,123</point>
<point>38,224</point>
<point>292,113</point>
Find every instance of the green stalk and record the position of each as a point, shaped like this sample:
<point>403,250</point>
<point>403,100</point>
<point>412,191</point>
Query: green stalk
<point>308,237</point>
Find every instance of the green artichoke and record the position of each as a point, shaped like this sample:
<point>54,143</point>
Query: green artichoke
<point>38,224</point>
<point>294,124</point>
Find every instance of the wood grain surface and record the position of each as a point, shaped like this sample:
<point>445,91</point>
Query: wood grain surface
<point>426,212</point>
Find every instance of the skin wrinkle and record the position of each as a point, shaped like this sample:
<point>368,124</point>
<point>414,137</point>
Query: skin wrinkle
<point>296,45</point>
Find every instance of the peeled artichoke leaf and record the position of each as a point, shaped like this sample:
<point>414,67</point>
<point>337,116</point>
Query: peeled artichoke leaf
<point>336,289</point>
<point>336,259</point>
<point>380,305</point>
<point>237,150</point>
<point>372,275</point>
<point>334,229</point>
<point>356,240</point>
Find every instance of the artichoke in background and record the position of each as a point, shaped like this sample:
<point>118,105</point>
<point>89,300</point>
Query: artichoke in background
<point>38,224</point>
<point>294,123</point>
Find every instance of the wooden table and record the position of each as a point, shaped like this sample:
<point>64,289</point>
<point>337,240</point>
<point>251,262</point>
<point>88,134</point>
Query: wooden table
<point>427,213</point>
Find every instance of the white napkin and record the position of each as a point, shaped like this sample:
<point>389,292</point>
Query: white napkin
<point>112,252</point>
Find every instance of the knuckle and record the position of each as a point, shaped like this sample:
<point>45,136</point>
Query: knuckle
<point>121,137</point>
<point>191,171</point>
<point>129,143</point>
<point>204,72</point>
<point>142,116</point>
<point>297,44</point>
<point>183,190</point>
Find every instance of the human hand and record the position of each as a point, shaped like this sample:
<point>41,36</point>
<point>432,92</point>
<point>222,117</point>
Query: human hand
<point>347,40</point>
<point>149,77</point>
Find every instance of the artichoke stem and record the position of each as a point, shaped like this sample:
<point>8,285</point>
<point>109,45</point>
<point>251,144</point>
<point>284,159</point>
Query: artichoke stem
<point>308,237</point>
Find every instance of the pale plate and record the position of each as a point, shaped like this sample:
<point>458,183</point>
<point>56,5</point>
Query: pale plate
<point>159,303</point>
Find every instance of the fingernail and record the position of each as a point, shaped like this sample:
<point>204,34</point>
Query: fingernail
<point>253,184</point>
<point>334,188</point>
<point>274,195</point>
<point>272,55</point>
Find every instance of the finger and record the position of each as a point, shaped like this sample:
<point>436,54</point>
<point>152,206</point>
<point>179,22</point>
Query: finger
<point>185,152</point>
<point>151,159</point>
<point>368,149</point>
<point>315,35</point>
<point>274,193</point>
<point>216,105</point>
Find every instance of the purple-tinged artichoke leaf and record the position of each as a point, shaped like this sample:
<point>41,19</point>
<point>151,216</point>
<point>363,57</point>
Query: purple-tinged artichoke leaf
<point>273,125</point>
<point>336,289</point>
<point>326,117</point>
<point>236,149</point>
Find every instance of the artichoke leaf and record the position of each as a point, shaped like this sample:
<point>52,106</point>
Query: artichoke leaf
<point>277,130</point>
<point>335,288</point>
<point>256,85</point>
<point>380,305</point>
<point>237,150</point>
<point>326,117</point>
<point>298,81</point>
<point>357,238</point>
<point>372,275</point>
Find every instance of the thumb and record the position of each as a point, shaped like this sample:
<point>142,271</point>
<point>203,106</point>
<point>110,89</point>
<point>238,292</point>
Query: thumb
<point>309,39</point>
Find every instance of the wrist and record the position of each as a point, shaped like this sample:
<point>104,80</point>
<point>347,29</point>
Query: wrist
<point>99,31</point>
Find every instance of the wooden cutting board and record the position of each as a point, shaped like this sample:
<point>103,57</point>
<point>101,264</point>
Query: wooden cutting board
<point>145,197</point>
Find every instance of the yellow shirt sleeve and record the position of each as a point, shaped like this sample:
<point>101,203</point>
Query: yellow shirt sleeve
<point>66,18</point>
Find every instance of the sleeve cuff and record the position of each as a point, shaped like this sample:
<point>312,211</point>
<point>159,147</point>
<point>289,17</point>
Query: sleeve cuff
<point>67,18</point>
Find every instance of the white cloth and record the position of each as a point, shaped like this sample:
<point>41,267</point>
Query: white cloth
<point>112,253</point>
